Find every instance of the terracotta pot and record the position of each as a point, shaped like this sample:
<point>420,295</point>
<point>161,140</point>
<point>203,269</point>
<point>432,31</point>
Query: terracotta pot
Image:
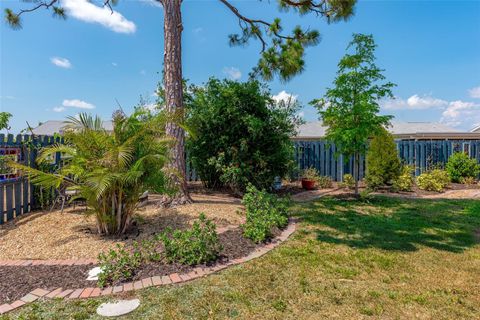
<point>308,184</point>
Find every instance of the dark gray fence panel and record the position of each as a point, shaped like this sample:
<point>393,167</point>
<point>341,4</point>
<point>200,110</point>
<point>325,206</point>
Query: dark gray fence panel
<point>422,154</point>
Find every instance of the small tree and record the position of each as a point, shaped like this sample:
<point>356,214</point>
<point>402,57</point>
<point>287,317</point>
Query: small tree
<point>383,163</point>
<point>350,109</point>
<point>240,134</point>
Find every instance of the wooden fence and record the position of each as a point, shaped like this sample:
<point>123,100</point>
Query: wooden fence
<point>422,154</point>
<point>16,193</point>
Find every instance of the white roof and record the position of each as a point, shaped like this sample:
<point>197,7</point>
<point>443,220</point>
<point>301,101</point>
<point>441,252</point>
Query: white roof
<point>315,129</point>
<point>50,127</point>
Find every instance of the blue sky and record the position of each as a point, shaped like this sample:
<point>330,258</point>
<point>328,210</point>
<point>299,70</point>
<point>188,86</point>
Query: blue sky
<point>52,68</point>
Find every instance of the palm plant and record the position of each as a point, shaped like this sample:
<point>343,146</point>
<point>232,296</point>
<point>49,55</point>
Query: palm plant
<point>108,169</point>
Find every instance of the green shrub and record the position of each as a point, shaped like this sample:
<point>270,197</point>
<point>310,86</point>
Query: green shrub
<point>460,166</point>
<point>118,265</point>
<point>324,182</point>
<point>435,180</point>
<point>265,211</point>
<point>405,181</point>
<point>348,182</point>
<point>382,161</point>
<point>239,134</point>
<point>196,245</point>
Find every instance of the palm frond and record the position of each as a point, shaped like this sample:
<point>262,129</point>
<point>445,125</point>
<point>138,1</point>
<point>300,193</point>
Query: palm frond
<point>84,121</point>
<point>38,177</point>
<point>52,150</point>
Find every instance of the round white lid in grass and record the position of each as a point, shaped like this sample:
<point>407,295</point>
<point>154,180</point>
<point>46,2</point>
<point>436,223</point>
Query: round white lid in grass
<point>118,308</point>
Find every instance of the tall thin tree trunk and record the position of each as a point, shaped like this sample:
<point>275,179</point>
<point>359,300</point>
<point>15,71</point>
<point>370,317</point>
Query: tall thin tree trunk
<point>174,96</point>
<point>356,171</point>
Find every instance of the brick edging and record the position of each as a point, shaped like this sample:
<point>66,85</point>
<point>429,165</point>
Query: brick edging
<point>154,281</point>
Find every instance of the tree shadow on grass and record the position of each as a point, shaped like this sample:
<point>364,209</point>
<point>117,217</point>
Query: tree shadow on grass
<point>395,224</point>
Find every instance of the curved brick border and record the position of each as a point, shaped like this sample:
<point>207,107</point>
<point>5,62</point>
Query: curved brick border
<point>129,286</point>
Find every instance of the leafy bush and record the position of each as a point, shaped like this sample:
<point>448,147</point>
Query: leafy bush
<point>348,181</point>
<point>239,134</point>
<point>193,246</point>
<point>118,265</point>
<point>435,180</point>
<point>405,181</point>
<point>324,182</point>
<point>265,211</point>
<point>460,165</point>
<point>383,163</point>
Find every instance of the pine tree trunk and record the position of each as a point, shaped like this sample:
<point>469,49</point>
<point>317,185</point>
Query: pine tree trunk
<point>356,171</point>
<point>174,96</point>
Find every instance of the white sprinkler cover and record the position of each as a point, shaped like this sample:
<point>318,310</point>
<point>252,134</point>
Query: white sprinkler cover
<point>93,274</point>
<point>118,308</point>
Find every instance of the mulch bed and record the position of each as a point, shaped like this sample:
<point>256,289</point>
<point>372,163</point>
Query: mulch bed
<point>17,281</point>
<point>234,246</point>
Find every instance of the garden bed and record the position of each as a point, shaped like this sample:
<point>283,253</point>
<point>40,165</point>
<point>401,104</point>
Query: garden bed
<point>72,234</point>
<point>17,281</point>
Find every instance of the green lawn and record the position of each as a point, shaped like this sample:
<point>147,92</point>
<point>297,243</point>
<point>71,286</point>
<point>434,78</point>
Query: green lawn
<point>385,258</point>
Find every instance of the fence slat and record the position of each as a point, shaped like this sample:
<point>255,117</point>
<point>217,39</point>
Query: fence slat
<point>2,204</point>
<point>9,201</point>
<point>18,197</point>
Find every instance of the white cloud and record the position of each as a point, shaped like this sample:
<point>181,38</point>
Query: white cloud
<point>474,92</point>
<point>114,64</point>
<point>425,102</point>
<point>61,62</point>
<point>153,3</point>
<point>59,109</point>
<point>7,97</point>
<point>284,96</point>
<point>88,12</point>
<point>461,113</point>
<point>143,72</point>
<point>414,102</point>
<point>232,72</point>
<point>75,103</point>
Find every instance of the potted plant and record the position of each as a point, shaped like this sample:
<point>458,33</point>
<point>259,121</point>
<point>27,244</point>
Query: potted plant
<point>309,178</point>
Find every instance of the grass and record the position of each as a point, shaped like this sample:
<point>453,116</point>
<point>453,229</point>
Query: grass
<point>383,258</point>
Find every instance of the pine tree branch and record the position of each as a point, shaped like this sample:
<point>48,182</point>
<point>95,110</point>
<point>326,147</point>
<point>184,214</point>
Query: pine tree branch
<point>254,24</point>
<point>42,4</point>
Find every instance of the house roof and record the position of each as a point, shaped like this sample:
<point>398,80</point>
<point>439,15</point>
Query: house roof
<point>313,130</point>
<point>476,129</point>
<point>50,127</point>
